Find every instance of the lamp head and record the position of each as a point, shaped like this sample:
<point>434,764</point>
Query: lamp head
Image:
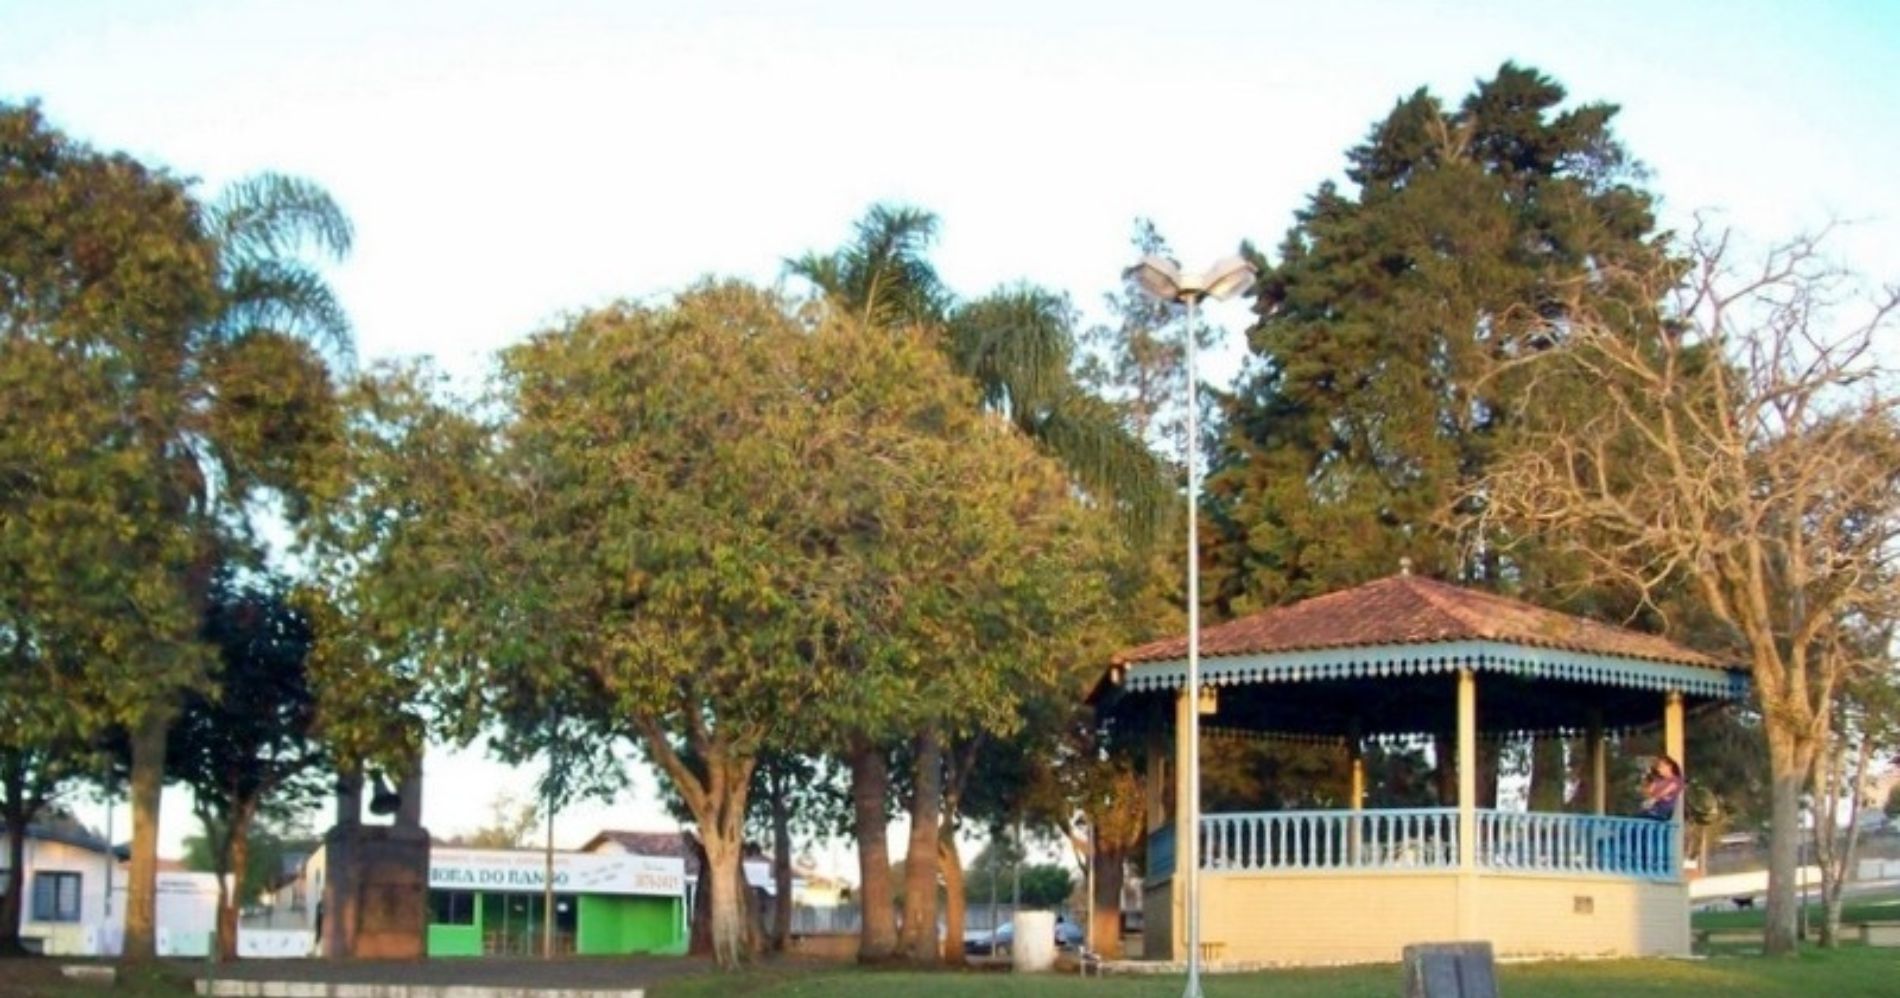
<point>1162,279</point>
<point>1228,277</point>
<point>1159,277</point>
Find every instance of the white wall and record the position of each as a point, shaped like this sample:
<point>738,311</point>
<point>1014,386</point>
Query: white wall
<point>43,856</point>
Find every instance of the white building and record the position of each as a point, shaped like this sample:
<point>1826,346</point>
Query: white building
<point>74,903</point>
<point>66,906</point>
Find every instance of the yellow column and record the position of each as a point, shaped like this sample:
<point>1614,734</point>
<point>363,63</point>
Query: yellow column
<point>1358,776</point>
<point>1187,820</point>
<point>1672,735</point>
<point>1467,803</point>
<point>1467,769</point>
<point>1356,753</point>
<point>1673,746</point>
<point>1598,761</point>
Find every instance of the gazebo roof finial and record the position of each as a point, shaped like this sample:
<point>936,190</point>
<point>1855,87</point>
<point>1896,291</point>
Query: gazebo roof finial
<point>1405,565</point>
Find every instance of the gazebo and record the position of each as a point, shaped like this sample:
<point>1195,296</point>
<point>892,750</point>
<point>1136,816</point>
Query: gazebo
<point>1401,658</point>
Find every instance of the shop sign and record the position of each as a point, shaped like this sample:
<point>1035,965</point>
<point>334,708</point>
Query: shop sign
<point>574,873</point>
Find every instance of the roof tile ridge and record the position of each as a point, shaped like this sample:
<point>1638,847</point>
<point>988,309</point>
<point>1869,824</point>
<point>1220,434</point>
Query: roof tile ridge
<point>1429,590</point>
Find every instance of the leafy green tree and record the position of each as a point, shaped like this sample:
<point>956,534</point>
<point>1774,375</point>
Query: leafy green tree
<point>70,554</point>
<point>249,748</point>
<point>1017,343</point>
<point>105,267</point>
<point>1047,885</point>
<point>795,797</point>
<point>1018,347</point>
<point>190,321</point>
<point>1376,396</point>
<point>1000,870</point>
<point>737,528</point>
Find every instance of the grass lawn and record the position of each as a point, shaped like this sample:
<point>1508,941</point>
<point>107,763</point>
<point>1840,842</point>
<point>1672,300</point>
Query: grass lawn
<point>1849,972</point>
<point>1846,973</point>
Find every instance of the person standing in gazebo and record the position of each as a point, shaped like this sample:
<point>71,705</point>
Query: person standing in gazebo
<point>1662,787</point>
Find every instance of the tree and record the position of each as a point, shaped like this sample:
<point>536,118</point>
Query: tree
<point>70,555</point>
<point>270,836</point>
<point>249,747</point>
<point>1866,721</point>
<point>795,796</point>
<point>1372,401</point>
<point>737,529</point>
<point>1136,366</point>
<point>1751,455</point>
<point>191,318</point>
<point>104,263</point>
<point>511,824</point>
<point>1018,347</point>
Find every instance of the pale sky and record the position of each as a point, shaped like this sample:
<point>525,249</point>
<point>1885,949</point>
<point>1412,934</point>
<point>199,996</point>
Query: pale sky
<point>506,162</point>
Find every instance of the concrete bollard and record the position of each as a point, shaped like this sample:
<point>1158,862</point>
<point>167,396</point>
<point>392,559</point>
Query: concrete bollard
<point>1033,949</point>
<point>1450,970</point>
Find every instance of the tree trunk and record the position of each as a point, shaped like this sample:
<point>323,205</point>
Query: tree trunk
<point>1547,774</point>
<point>11,904</point>
<point>236,858</point>
<point>1839,862</point>
<point>148,784</point>
<point>1105,908</point>
<point>870,784</point>
<point>1788,761</point>
<point>955,905</point>
<point>919,937</point>
<point>781,863</point>
<point>700,939</point>
<point>723,863</point>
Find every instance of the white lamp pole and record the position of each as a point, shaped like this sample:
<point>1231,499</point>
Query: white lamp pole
<point>1163,279</point>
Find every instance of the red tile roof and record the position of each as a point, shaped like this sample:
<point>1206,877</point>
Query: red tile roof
<point>1408,609</point>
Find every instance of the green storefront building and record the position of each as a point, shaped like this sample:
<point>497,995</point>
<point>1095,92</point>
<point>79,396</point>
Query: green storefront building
<point>492,902</point>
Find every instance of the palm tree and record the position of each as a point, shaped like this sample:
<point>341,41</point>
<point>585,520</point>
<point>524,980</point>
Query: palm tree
<point>882,275</point>
<point>252,397</point>
<point>1017,343</point>
<point>263,224</point>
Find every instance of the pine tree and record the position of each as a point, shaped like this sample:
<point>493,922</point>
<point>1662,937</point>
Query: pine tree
<point>1373,398</point>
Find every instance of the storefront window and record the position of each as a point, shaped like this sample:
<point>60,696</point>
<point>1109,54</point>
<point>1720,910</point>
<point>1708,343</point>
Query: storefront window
<point>452,907</point>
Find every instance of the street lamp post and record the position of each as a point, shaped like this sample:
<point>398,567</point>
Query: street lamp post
<point>1164,280</point>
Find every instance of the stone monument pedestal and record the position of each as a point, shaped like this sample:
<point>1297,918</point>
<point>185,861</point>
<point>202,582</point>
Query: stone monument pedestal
<point>375,900</point>
<point>376,897</point>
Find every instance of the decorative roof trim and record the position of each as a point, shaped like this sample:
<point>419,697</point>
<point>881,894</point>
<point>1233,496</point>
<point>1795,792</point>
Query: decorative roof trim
<point>1406,739</point>
<point>1426,659</point>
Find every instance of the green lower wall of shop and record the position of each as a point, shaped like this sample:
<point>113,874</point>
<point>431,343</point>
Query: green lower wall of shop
<point>610,924</point>
<point>455,940</point>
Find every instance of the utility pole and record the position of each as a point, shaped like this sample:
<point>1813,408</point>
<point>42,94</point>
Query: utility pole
<point>547,880</point>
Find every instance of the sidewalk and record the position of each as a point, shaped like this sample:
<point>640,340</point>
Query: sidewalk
<point>618,973</point>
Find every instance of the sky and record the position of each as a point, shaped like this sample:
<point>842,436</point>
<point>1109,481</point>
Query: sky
<point>507,163</point>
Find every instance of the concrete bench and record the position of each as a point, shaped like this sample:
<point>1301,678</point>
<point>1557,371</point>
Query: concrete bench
<point>1727,937</point>
<point>1879,933</point>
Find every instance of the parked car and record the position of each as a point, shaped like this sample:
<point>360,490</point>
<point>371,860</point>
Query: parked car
<point>979,943</point>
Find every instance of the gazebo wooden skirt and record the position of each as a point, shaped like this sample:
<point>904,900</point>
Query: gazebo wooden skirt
<point>1281,917</point>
